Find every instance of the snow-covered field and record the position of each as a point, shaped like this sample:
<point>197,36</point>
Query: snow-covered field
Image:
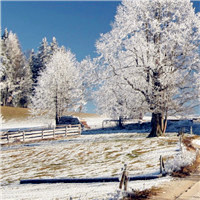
<point>27,123</point>
<point>196,142</point>
<point>91,155</point>
<point>72,191</point>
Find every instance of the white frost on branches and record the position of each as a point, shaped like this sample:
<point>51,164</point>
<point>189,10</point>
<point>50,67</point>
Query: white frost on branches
<point>15,72</point>
<point>150,58</point>
<point>183,159</point>
<point>59,87</point>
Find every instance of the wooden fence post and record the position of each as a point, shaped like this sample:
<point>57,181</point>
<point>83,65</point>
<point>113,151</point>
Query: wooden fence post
<point>191,132</point>
<point>162,166</point>
<point>126,182</point>
<point>180,142</point>
<point>8,137</point>
<point>53,132</point>
<point>124,179</point>
<point>23,136</point>
<point>65,130</point>
<point>80,129</point>
<point>42,134</point>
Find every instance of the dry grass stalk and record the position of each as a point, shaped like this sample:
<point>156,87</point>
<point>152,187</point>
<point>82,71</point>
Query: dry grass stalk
<point>141,195</point>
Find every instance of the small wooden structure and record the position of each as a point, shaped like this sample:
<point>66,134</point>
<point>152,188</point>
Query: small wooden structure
<point>39,134</point>
<point>85,124</point>
<point>162,166</point>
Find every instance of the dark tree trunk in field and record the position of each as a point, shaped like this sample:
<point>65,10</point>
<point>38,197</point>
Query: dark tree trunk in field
<point>120,123</point>
<point>156,125</point>
<point>56,106</point>
<point>57,119</point>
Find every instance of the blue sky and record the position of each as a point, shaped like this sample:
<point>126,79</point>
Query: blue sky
<point>76,25</point>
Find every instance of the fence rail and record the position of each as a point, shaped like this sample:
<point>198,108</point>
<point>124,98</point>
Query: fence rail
<point>38,134</point>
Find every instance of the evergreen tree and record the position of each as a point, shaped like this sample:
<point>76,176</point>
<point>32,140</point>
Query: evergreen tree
<point>32,61</point>
<point>41,59</point>
<point>15,72</point>
<point>53,46</point>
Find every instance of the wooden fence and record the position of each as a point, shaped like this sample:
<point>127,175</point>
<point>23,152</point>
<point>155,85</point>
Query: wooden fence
<point>39,134</point>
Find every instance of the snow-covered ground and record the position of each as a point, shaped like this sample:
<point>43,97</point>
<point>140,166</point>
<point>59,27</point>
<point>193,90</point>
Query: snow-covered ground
<point>86,156</point>
<point>92,154</point>
<point>95,122</point>
<point>28,123</point>
<point>73,191</point>
<point>175,124</point>
<point>196,142</point>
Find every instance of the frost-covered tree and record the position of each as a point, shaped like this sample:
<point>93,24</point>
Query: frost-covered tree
<point>149,60</point>
<point>43,56</point>
<point>31,59</point>
<point>41,59</point>
<point>15,72</point>
<point>87,71</point>
<point>59,87</point>
<point>53,46</point>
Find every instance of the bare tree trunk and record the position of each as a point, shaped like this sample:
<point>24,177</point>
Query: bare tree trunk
<point>56,105</point>
<point>164,124</point>
<point>156,125</point>
<point>57,118</point>
<point>121,123</point>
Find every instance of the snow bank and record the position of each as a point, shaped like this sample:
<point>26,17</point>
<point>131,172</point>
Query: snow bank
<point>28,123</point>
<point>184,158</point>
<point>95,122</point>
<point>196,142</point>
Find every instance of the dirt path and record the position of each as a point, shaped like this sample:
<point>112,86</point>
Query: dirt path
<point>181,188</point>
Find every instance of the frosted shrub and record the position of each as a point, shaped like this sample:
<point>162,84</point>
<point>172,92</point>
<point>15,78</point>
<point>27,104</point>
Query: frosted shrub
<point>184,158</point>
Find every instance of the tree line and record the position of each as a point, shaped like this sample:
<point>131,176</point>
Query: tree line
<point>16,81</point>
<point>20,72</point>
<point>49,81</point>
<point>148,63</point>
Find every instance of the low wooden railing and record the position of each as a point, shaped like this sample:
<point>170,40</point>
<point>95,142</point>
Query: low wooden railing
<point>38,134</point>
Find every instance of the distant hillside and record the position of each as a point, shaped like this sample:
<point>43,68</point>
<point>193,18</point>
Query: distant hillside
<point>14,113</point>
<point>23,113</point>
<point>83,115</point>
